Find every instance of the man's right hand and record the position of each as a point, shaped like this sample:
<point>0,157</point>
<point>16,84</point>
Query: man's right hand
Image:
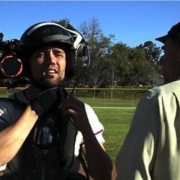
<point>47,99</point>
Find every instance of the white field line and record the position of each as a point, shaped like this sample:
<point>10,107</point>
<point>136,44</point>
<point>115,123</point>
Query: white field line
<point>114,107</point>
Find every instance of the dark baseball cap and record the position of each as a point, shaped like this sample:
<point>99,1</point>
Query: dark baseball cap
<point>174,32</point>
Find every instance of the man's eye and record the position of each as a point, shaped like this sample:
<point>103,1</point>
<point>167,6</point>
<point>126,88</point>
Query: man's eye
<point>58,54</point>
<point>41,54</point>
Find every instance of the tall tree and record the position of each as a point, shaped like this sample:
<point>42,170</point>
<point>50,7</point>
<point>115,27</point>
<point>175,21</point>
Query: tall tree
<point>100,48</point>
<point>120,63</point>
<point>152,51</point>
<point>153,54</point>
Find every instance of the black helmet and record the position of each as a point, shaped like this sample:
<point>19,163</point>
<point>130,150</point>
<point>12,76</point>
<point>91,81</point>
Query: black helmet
<point>50,33</point>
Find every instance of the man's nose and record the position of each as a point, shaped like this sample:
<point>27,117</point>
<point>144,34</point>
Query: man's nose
<point>50,58</point>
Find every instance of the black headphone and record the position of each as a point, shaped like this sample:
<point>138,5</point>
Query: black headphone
<point>81,52</point>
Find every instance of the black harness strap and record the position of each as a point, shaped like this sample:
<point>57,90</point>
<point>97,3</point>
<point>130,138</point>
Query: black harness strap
<point>83,162</point>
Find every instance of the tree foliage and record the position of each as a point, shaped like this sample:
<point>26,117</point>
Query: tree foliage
<point>114,63</point>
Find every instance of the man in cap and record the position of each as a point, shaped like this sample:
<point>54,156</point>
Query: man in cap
<point>42,128</point>
<point>151,149</point>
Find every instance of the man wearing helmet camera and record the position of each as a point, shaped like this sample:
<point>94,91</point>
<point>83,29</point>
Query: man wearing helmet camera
<point>43,128</point>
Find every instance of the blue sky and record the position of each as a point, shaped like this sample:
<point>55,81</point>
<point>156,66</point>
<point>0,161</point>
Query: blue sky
<point>132,22</point>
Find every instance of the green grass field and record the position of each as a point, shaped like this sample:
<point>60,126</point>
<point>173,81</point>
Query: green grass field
<point>116,121</point>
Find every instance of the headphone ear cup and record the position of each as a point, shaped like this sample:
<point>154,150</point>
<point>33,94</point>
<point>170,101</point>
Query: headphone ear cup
<point>70,64</point>
<point>82,54</point>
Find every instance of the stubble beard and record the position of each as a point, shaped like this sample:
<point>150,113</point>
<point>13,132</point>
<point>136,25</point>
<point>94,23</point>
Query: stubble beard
<point>49,83</point>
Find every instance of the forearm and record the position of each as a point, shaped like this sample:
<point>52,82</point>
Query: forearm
<point>99,163</point>
<point>12,138</point>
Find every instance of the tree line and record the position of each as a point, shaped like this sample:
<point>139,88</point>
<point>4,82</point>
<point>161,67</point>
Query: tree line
<point>115,64</point>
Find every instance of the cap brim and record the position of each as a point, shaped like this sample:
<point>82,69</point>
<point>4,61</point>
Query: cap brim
<point>162,38</point>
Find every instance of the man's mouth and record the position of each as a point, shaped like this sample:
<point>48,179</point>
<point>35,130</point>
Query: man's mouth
<point>50,72</point>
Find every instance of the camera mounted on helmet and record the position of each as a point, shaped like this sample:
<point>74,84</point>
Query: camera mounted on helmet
<point>11,65</point>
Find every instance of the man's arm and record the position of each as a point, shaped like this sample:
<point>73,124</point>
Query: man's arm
<point>99,163</point>
<point>12,138</point>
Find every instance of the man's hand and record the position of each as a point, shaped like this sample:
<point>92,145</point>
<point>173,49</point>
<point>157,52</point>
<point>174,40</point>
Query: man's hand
<point>75,109</point>
<point>47,99</point>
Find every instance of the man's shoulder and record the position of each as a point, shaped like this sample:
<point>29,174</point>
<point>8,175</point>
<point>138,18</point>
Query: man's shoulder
<point>20,97</point>
<point>87,106</point>
<point>89,109</point>
<point>164,90</point>
<point>13,95</point>
<point>169,88</point>
<point>10,109</point>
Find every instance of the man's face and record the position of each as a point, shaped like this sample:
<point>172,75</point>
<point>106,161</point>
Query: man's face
<point>170,61</point>
<point>48,66</point>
